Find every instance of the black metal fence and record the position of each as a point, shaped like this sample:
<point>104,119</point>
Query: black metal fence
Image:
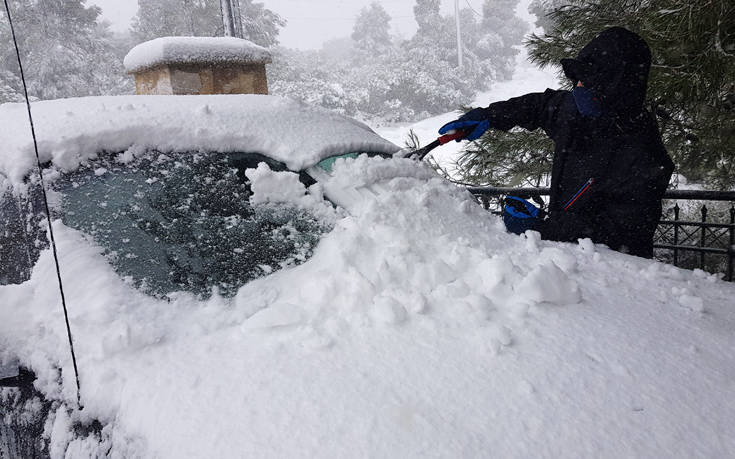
<point>693,235</point>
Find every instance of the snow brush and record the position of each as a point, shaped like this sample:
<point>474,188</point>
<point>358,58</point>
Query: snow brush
<point>421,153</point>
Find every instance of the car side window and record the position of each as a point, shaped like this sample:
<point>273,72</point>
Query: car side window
<point>185,222</point>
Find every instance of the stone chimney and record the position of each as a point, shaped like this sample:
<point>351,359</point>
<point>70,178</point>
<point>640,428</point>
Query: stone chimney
<point>198,65</point>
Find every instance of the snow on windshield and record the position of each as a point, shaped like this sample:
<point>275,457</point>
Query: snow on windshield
<point>71,131</point>
<point>187,50</point>
<point>418,328</point>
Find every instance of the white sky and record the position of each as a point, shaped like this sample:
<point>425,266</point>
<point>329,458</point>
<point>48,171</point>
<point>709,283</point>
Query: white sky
<point>310,22</point>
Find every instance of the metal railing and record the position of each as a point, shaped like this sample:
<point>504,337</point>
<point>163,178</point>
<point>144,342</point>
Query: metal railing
<point>687,237</point>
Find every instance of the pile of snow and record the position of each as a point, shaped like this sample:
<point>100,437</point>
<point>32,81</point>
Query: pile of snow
<point>71,131</point>
<point>268,186</point>
<point>418,328</point>
<point>194,50</point>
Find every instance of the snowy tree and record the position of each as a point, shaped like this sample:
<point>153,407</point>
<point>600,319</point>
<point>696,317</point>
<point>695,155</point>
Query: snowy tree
<point>502,35</point>
<point>65,50</point>
<point>166,18</point>
<point>427,16</point>
<point>372,29</point>
<point>489,44</point>
<point>541,9</point>
<point>401,81</point>
<point>11,89</point>
<point>396,85</point>
<point>259,24</point>
<point>305,76</point>
<point>434,30</point>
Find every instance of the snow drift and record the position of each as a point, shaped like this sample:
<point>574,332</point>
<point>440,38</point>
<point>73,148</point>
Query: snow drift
<point>419,328</point>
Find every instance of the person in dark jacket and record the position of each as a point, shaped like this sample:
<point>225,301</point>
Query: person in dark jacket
<point>610,168</point>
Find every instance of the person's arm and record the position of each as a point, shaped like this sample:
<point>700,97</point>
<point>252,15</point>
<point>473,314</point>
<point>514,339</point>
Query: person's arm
<point>530,111</point>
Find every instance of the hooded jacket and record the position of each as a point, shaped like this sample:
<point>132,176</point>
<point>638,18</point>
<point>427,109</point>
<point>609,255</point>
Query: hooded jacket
<point>617,160</point>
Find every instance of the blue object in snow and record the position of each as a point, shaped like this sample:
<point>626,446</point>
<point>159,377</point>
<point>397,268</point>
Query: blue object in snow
<point>587,102</point>
<point>519,215</point>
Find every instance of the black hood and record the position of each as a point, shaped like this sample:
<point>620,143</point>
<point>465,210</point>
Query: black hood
<point>615,64</point>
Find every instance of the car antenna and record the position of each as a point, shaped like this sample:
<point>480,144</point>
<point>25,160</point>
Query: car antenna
<point>46,206</point>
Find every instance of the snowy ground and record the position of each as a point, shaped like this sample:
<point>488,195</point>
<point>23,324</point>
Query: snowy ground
<point>418,329</point>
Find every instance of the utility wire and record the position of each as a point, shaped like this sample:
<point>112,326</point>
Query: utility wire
<point>46,207</point>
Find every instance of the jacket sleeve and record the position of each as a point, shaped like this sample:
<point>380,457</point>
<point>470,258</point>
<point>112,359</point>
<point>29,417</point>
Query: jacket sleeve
<point>531,111</point>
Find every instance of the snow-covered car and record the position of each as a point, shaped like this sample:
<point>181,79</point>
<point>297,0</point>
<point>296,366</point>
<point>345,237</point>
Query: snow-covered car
<point>417,328</point>
<point>181,193</point>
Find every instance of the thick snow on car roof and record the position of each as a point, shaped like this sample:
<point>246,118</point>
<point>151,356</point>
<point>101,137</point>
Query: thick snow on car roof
<point>187,50</point>
<point>73,130</point>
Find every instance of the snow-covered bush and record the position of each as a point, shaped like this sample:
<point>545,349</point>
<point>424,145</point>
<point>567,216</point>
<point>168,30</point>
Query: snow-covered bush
<point>66,52</point>
<point>401,85</point>
<point>388,80</point>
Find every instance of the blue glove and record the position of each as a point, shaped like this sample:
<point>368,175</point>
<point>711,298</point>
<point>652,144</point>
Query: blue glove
<point>474,121</point>
<point>520,215</point>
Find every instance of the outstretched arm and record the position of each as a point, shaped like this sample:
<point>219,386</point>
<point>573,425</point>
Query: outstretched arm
<point>531,111</point>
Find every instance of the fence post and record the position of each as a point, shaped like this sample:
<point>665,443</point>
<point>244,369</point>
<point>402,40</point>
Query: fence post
<point>676,234</point>
<point>731,247</point>
<point>702,237</point>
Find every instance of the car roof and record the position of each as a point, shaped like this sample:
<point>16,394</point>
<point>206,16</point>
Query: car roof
<point>71,131</point>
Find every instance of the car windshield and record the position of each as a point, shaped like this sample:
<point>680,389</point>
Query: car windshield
<point>185,222</point>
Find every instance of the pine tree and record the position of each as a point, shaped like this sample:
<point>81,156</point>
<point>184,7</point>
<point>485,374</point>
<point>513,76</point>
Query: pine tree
<point>515,158</point>
<point>65,50</point>
<point>503,32</point>
<point>11,89</point>
<point>427,16</point>
<point>371,32</point>
<point>541,9</point>
<point>259,24</point>
<point>170,18</point>
<point>690,89</point>
<point>203,18</point>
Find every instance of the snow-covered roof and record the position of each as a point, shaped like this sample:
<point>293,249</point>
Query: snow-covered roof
<point>189,50</point>
<point>73,130</point>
